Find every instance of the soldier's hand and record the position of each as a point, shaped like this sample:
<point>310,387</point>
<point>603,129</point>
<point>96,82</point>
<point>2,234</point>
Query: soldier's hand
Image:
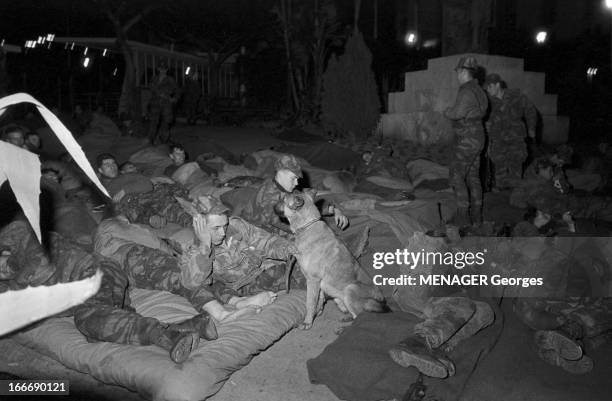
<point>201,230</point>
<point>118,196</point>
<point>340,218</point>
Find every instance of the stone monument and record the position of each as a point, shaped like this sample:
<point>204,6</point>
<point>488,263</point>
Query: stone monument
<point>416,113</point>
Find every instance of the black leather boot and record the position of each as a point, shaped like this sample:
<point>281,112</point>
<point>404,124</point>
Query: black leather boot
<point>178,344</point>
<point>201,324</point>
<point>413,351</point>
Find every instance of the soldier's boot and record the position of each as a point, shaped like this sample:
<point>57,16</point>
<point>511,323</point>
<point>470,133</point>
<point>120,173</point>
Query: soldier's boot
<point>178,344</point>
<point>413,351</point>
<point>201,324</point>
<point>556,340</point>
<point>581,366</point>
<point>462,217</point>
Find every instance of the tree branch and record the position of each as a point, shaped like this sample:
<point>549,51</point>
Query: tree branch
<point>134,20</point>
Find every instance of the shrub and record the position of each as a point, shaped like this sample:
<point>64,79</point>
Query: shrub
<point>350,104</point>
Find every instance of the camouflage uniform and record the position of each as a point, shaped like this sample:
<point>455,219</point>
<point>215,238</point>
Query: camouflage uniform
<point>571,269</point>
<point>466,115</point>
<point>161,202</point>
<point>107,316</point>
<point>160,108</point>
<point>248,259</point>
<point>260,209</point>
<point>553,197</point>
<point>506,129</point>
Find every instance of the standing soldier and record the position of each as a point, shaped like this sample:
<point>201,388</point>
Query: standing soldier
<point>506,129</point>
<point>466,115</point>
<point>163,90</point>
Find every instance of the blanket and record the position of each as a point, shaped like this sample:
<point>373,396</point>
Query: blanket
<point>357,366</point>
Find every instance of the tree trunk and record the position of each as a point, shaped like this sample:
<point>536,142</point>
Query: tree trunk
<point>286,13</point>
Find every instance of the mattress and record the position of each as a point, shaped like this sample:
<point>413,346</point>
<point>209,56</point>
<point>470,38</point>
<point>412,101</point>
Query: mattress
<point>147,370</point>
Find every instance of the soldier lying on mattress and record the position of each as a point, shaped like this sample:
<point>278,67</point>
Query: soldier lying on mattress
<point>549,188</point>
<point>142,199</point>
<point>107,316</point>
<point>227,253</point>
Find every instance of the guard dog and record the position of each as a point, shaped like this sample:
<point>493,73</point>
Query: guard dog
<point>329,267</point>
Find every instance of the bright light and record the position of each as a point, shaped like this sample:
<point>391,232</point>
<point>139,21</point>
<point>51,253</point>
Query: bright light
<point>592,71</point>
<point>114,72</point>
<point>609,4</point>
<point>72,46</point>
<point>85,51</point>
<point>104,53</point>
<point>410,38</point>
<point>541,37</point>
<point>41,40</point>
<point>49,45</point>
<point>86,62</point>
<point>187,70</point>
<point>50,37</point>
<point>2,43</point>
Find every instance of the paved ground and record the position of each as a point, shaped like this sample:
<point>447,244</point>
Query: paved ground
<point>279,374</point>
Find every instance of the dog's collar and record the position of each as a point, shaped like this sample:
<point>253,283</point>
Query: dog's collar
<point>305,226</point>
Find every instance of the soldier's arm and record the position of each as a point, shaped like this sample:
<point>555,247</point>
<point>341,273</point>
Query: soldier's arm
<point>195,264</point>
<point>326,207</point>
<point>530,114</point>
<point>464,103</point>
<point>273,246</point>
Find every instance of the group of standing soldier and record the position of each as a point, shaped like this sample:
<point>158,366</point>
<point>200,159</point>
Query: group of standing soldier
<point>510,117</point>
<point>164,95</point>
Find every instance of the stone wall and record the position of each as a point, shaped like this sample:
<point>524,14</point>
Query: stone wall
<point>415,113</point>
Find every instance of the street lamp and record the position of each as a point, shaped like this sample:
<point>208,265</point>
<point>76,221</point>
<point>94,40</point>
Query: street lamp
<point>410,38</point>
<point>541,37</point>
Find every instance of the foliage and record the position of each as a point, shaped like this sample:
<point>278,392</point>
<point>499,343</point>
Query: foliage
<point>350,101</point>
<point>311,31</point>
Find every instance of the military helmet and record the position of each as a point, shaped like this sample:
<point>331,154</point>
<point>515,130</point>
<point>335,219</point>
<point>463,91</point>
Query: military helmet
<point>492,79</point>
<point>468,63</point>
<point>288,162</point>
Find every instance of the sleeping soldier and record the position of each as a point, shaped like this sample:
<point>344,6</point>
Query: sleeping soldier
<point>107,316</point>
<point>550,190</point>
<point>572,308</point>
<point>140,198</point>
